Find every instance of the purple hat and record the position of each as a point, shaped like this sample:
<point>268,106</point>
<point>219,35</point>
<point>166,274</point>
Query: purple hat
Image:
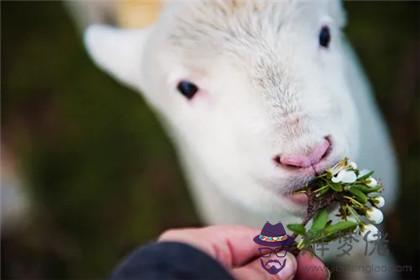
<point>273,236</point>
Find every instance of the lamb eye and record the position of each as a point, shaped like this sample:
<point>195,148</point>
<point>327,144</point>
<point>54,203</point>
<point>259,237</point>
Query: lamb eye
<point>324,37</point>
<point>187,89</point>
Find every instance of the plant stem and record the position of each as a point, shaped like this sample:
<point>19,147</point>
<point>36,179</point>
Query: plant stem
<point>354,213</point>
<point>354,201</point>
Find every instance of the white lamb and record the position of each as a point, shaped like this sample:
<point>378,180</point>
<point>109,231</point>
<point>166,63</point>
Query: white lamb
<point>258,96</point>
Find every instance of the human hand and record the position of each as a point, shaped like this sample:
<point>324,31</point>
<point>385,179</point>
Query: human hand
<point>233,247</point>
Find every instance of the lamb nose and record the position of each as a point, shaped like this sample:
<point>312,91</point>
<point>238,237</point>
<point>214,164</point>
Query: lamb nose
<point>301,160</point>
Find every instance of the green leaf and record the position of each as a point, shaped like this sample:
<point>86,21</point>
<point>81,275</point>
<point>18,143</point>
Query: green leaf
<point>362,188</point>
<point>339,227</point>
<point>375,189</point>
<point>367,175</point>
<point>336,187</point>
<point>319,221</point>
<point>297,228</point>
<point>360,196</point>
<point>332,232</point>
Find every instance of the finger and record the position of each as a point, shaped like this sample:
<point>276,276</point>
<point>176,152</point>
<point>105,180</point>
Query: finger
<point>254,270</point>
<point>311,267</point>
<point>231,245</point>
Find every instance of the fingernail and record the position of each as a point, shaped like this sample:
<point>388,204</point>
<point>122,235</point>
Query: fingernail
<point>328,273</point>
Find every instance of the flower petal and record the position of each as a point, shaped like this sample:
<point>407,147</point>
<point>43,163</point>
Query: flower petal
<point>378,201</point>
<point>353,165</point>
<point>370,232</point>
<point>341,165</point>
<point>348,177</point>
<point>338,177</point>
<point>375,215</point>
<point>371,182</point>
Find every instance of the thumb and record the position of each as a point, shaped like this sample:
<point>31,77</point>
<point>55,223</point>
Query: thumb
<point>311,267</point>
<point>255,270</point>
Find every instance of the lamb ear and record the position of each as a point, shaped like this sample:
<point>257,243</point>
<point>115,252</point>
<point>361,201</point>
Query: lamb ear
<point>118,51</point>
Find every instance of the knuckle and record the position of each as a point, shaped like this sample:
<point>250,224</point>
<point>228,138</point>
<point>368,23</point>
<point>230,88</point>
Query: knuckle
<point>167,235</point>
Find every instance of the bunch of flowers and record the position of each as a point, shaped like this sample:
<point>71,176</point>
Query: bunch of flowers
<point>356,194</point>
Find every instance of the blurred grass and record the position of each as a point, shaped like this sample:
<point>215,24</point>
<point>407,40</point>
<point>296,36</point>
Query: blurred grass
<point>103,175</point>
<point>101,171</point>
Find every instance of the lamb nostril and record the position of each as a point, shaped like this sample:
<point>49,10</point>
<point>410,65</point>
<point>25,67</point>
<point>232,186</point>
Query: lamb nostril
<point>277,159</point>
<point>318,153</point>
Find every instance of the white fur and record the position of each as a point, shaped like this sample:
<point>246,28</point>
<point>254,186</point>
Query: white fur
<point>267,88</point>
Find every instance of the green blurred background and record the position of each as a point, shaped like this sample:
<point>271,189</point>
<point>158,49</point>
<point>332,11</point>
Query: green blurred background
<point>101,175</point>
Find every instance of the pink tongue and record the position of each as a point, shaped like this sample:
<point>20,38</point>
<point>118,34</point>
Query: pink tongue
<point>299,198</point>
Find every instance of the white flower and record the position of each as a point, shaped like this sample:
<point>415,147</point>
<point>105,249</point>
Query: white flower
<point>363,172</point>
<point>353,165</point>
<point>371,182</point>
<point>371,232</point>
<point>375,215</point>
<point>341,165</point>
<point>335,169</point>
<point>344,176</point>
<point>378,201</point>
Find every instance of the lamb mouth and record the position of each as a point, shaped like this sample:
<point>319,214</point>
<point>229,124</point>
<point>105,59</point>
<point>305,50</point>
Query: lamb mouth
<point>297,193</point>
